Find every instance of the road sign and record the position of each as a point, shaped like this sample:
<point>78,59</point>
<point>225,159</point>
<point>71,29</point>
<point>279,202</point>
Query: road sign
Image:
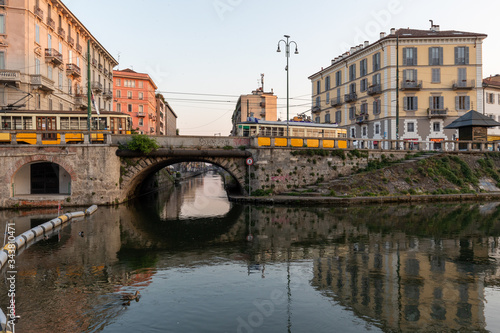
<point>249,161</point>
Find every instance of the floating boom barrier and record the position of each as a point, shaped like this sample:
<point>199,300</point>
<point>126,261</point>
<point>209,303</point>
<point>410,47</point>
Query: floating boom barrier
<point>30,237</point>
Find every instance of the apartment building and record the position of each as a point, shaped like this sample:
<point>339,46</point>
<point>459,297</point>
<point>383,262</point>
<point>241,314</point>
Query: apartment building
<point>407,85</point>
<point>491,88</point>
<point>43,63</point>
<point>167,119</point>
<point>135,95</point>
<point>259,104</point>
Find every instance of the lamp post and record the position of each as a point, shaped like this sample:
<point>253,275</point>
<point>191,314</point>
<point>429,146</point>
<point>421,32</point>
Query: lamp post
<point>287,54</point>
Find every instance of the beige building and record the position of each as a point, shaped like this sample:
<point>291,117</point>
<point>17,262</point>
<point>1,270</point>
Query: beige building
<point>259,104</point>
<point>409,85</point>
<point>167,123</point>
<point>43,60</point>
<point>491,87</point>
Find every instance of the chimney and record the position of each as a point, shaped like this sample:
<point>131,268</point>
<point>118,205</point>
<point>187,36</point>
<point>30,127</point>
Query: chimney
<point>393,31</point>
<point>353,49</point>
<point>382,35</point>
<point>367,43</point>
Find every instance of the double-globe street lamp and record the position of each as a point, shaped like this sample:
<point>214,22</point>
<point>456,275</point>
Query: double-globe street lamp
<point>287,54</point>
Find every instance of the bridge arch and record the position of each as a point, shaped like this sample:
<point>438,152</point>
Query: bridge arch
<point>135,170</point>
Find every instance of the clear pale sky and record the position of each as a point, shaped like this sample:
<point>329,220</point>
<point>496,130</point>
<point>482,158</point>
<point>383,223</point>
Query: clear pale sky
<point>203,54</point>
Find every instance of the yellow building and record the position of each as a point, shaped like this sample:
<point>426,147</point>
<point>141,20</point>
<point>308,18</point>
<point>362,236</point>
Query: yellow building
<point>409,85</point>
<point>43,66</point>
<point>259,104</point>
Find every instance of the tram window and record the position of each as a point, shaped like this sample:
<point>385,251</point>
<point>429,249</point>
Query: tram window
<point>17,122</point>
<point>27,123</point>
<point>253,130</point>
<point>83,123</point>
<point>74,123</point>
<point>64,123</point>
<point>246,131</point>
<point>274,131</point>
<point>281,131</point>
<point>6,123</point>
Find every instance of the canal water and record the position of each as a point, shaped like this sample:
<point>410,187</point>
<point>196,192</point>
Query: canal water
<point>203,264</point>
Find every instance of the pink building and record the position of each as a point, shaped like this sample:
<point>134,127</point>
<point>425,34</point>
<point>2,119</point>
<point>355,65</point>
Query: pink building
<point>134,94</point>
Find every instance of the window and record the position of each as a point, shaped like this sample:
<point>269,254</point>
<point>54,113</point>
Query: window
<point>461,55</point>
<point>436,102</point>
<point>338,78</point>
<point>435,56</point>
<point>141,108</point>
<point>327,118</point>
<point>327,83</point>
<point>70,87</point>
<point>118,93</point>
<point>49,72</point>
<point>141,95</point>
<point>141,84</point>
<point>37,31</point>
<point>338,117</point>
<point>352,88</point>
<point>37,66</point>
<point>327,98</point>
<point>119,107</point>
<point>409,56</point>
<point>364,108</point>
<point>462,75</point>
<point>60,80</point>
<point>363,67</point>
<point>377,129</point>
<point>410,75</point>
<point>436,75</point>
<point>318,87</point>
<point>129,94</point>
<point>50,104</point>
<point>317,120</point>
<point>436,126</point>
<point>352,112</point>
<point>141,122</point>
<point>353,133</point>
<point>129,107</point>
<point>376,61</point>
<point>490,98</point>
<point>352,72</point>
<point>462,103</point>
<point>318,102</point>
<point>410,103</point>
<point>363,85</point>
<point>377,106</point>
<point>365,130</point>
<point>376,79</point>
<point>118,82</point>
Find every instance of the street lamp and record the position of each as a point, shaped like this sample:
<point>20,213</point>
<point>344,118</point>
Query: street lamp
<point>287,54</point>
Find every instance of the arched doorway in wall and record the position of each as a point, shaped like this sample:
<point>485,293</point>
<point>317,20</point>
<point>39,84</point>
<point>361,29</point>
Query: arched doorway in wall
<point>42,178</point>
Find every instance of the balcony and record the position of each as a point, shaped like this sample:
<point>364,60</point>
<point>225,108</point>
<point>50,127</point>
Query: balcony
<point>38,12</point>
<point>100,68</point>
<point>71,41</point>
<point>51,23</point>
<point>53,56</point>
<point>10,77</point>
<point>94,62</point>
<point>97,87</point>
<point>73,70</point>
<point>106,72</point>
<point>375,89</point>
<point>108,94</point>
<point>316,109</point>
<point>79,48</point>
<point>437,113</point>
<point>464,84</point>
<point>351,97</point>
<point>411,85</point>
<point>3,3</point>
<point>42,83</point>
<point>141,114</point>
<point>61,32</point>
<point>362,118</point>
<point>336,101</point>
<point>81,101</point>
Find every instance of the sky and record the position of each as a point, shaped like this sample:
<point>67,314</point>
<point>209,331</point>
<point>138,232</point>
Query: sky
<point>204,54</point>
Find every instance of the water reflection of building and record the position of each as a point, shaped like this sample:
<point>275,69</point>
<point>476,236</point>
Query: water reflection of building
<point>407,284</point>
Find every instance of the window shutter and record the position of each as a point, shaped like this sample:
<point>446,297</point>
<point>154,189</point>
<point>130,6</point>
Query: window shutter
<point>430,103</point>
<point>415,103</point>
<point>467,102</point>
<point>404,75</point>
<point>415,75</point>
<point>440,56</point>
<point>405,103</point>
<point>415,58</point>
<point>404,57</point>
<point>456,55</point>
<point>430,56</point>
<point>467,55</point>
<point>441,102</point>
<point>457,101</point>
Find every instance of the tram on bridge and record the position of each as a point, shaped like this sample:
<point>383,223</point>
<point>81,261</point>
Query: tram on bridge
<point>26,124</point>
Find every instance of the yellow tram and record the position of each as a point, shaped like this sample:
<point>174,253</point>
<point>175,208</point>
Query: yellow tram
<point>26,125</point>
<point>298,132</point>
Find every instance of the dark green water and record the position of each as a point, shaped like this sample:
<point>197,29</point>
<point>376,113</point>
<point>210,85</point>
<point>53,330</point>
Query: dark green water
<point>202,264</point>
